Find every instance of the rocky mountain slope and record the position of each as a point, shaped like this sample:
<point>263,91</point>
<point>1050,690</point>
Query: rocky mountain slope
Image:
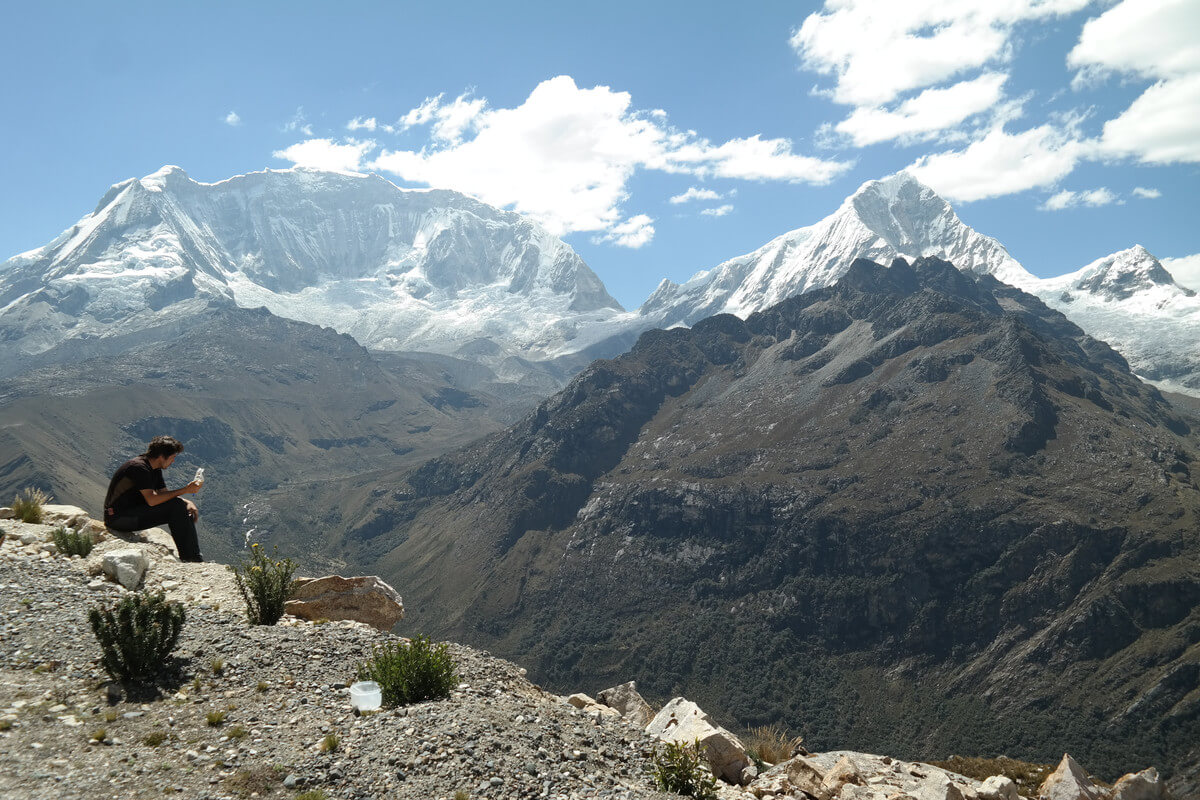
<point>294,424</point>
<point>1126,299</point>
<point>262,711</point>
<point>397,269</point>
<point>915,510</point>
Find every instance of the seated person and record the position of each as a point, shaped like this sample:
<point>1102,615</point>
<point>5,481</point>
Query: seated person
<point>137,498</point>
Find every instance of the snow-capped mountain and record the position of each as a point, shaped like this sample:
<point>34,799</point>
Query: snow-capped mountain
<point>885,219</point>
<point>396,269</point>
<point>1129,300</point>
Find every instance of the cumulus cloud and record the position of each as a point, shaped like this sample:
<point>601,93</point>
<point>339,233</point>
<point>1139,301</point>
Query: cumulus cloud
<point>930,112</point>
<point>694,193</point>
<point>326,154</point>
<point>719,211</point>
<point>565,156</point>
<point>1001,163</point>
<point>1069,199</point>
<point>878,50</point>
<point>1185,270</point>
<point>1154,40</point>
<point>1148,194</point>
<point>232,119</point>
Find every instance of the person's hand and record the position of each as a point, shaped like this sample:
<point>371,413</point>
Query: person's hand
<point>191,488</point>
<point>193,512</point>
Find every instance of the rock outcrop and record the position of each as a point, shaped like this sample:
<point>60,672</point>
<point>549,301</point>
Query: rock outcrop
<point>1070,782</point>
<point>625,699</point>
<point>364,598</point>
<point>684,722</point>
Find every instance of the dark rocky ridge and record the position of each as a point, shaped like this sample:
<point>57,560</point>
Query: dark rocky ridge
<point>912,512</point>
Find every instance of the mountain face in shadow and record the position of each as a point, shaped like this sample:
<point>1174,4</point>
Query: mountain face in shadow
<point>913,512</point>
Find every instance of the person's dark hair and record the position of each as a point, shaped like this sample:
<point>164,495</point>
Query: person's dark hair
<point>163,446</point>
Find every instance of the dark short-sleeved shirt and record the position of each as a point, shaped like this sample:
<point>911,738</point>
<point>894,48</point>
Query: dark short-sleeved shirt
<point>125,488</point>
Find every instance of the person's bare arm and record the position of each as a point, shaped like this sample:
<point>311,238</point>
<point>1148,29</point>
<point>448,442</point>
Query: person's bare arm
<point>156,496</point>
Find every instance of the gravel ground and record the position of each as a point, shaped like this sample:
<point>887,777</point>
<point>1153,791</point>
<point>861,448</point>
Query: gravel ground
<point>67,732</point>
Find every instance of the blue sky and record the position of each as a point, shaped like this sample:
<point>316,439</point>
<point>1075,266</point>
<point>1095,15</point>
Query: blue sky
<point>1067,129</point>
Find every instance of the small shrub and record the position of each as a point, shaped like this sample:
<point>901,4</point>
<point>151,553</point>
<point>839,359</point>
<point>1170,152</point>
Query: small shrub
<point>99,735</point>
<point>217,666</point>
<point>257,780</point>
<point>154,739</point>
<point>678,767</point>
<point>215,718</point>
<point>238,732</point>
<point>27,506</point>
<point>410,673</point>
<point>771,744</point>
<point>461,795</point>
<point>137,635</point>
<point>111,716</point>
<point>264,584</point>
<point>73,543</point>
<point>5,724</point>
<point>330,743</point>
<point>262,687</point>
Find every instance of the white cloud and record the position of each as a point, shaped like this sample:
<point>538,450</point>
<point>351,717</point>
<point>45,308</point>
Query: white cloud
<point>719,211</point>
<point>931,111</point>
<point>232,119</point>
<point>878,50</point>
<point>1000,163</point>
<point>565,156</point>
<point>1185,270</point>
<point>695,194</point>
<point>1068,199</point>
<point>327,155</point>
<point>1160,127</point>
<point>1155,40</point>
<point>1152,38</point>
<point>634,232</point>
<point>360,124</point>
<point>1148,194</point>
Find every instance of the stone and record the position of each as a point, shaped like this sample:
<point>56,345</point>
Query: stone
<point>70,516</point>
<point>683,721</point>
<point>126,566</point>
<point>936,786</point>
<point>626,700</point>
<point>362,598</point>
<point>843,772</point>
<point>598,711</point>
<point>1069,782</point>
<point>998,787</point>
<point>1143,785</point>
<point>802,774</point>
<point>580,700</point>
<point>31,538</point>
<point>7,513</point>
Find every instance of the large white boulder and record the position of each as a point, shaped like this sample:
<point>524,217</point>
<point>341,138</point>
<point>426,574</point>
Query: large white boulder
<point>998,787</point>
<point>126,566</point>
<point>1143,785</point>
<point>70,516</point>
<point>363,598</point>
<point>683,721</point>
<point>629,703</point>
<point>1069,782</point>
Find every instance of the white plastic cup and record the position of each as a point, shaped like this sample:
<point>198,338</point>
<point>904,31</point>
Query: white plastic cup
<point>366,695</point>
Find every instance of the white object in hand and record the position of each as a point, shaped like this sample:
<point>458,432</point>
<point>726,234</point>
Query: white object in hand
<point>199,476</point>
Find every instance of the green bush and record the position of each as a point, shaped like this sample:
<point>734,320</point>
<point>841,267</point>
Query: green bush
<point>265,584</point>
<point>678,767</point>
<point>72,543</point>
<point>410,673</point>
<point>137,635</point>
<point>28,505</point>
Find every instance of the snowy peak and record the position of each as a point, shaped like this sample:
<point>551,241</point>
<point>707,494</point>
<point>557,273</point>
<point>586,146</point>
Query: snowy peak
<point>1121,275</point>
<point>895,217</point>
<point>397,269</point>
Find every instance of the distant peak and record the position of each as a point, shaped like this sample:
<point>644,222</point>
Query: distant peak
<point>892,186</point>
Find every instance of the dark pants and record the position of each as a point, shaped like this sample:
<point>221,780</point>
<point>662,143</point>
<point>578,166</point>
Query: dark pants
<point>174,514</point>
